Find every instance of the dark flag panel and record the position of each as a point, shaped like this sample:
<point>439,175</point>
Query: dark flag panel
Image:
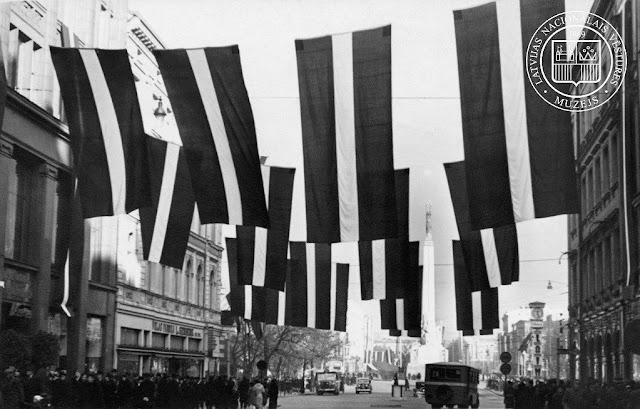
<point>345,102</point>
<point>405,313</point>
<point>208,95</point>
<point>317,289</point>
<point>383,262</point>
<point>518,149</point>
<point>491,255</point>
<point>166,224</point>
<point>105,124</point>
<point>475,310</point>
<point>262,254</point>
<point>415,333</point>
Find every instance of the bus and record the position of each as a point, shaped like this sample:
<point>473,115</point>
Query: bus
<point>450,384</point>
<point>327,382</point>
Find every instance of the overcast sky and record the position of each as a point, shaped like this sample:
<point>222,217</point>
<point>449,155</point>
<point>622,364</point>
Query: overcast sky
<point>426,114</point>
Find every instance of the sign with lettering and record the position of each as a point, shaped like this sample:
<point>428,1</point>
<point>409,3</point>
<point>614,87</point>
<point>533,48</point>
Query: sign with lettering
<point>159,326</point>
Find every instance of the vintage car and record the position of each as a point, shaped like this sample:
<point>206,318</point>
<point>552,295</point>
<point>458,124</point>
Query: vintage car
<point>450,384</point>
<point>363,385</point>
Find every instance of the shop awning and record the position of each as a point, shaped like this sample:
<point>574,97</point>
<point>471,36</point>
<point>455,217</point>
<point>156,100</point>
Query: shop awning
<point>373,368</point>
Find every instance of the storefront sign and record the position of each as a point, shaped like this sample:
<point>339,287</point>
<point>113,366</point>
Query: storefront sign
<point>159,326</point>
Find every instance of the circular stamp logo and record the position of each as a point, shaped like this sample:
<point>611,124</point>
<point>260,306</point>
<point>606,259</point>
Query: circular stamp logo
<point>576,61</point>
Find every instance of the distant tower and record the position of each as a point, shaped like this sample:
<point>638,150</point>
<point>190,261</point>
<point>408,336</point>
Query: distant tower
<point>428,278</point>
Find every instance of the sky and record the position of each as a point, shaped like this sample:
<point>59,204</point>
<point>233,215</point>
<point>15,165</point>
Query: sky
<point>427,128</point>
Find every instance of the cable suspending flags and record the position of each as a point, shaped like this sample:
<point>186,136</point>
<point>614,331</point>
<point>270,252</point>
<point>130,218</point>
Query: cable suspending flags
<point>491,255</point>
<point>212,110</point>
<point>262,253</point>
<point>518,149</point>
<point>345,103</point>
<point>107,134</point>
<point>166,224</point>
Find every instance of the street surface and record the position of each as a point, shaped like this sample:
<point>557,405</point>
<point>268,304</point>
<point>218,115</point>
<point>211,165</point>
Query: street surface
<point>380,398</point>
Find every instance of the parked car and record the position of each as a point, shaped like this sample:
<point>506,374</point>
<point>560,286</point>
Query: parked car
<point>363,385</point>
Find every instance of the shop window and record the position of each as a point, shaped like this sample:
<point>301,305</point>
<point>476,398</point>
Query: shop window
<point>194,344</point>
<point>128,363</point>
<point>159,340</point>
<point>94,343</point>
<point>177,342</point>
<point>129,336</point>
<point>21,208</point>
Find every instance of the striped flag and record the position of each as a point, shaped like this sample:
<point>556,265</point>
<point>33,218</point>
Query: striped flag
<point>491,255</point>
<point>252,303</point>
<point>476,311</point>
<point>405,313</point>
<point>108,140</point>
<point>262,253</point>
<point>383,262</point>
<point>166,224</point>
<point>518,149</point>
<point>317,289</point>
<point>207,93</point>
<point>347,140</point>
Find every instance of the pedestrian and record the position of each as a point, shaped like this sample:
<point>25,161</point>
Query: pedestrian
<point>273,394</point>
<point>11,389</point>
<point>243,392</point>
<point>256,392</point>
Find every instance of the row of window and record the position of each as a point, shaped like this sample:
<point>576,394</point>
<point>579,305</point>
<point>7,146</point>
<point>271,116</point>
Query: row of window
<point>600,176</point>
<point>137,338</point>
<point>600,267</point>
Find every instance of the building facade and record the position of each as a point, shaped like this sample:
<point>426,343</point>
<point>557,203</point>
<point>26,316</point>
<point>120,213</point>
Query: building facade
<point>603,237</point>
<point>125,313</point>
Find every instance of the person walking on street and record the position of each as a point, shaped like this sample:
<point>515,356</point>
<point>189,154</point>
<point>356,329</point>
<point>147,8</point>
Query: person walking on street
<point>273,394</point>
<point>256,392</point>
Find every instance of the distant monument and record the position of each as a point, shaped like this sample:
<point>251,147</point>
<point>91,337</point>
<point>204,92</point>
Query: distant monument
<point>431,347</point>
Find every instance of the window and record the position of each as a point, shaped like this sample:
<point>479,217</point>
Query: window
<point>614,159</point>
<point>199,286</point>
<point>606,262</point>
<point>176,282</point>
<point>187,276</point>
<point>213,295</point>
<point>177,342</point>
<point>605,170</point>
<point>598,269</point>
<point>616,255</point>
<point>598,181</point>
<point>129,336</point>
<point>194,344</point>
<point>590,190</point>
<point>159,340</point>
<point>592,266</point>
<point>21,206</point>
<point>583,195</point>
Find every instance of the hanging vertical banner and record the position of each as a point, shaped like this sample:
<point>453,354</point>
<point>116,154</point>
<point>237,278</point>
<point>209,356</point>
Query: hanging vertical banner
<point>105,124</point>
<point>166,224</point>
<point>491,255</point>
<point>262,253</point>
<point>345,102</point>
<point>518,149</point>
<point>211,105</point>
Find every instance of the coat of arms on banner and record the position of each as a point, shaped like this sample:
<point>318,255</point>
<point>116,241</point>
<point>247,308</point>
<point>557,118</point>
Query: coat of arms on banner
<point>576,62</point>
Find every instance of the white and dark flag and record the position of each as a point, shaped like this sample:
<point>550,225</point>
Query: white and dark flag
<point>415,333</point>
<point>405,313</point>
<point>476,311</point>
<point>383,262</point>
<point>262,253</point>
<point>166,224</point>
<point>345,104</point>
<point>249,302</point>
<point>317,289</point>
<point>211,105</point>
<point>491,255</point>
<point>518,149</point>
<point>105,124</point>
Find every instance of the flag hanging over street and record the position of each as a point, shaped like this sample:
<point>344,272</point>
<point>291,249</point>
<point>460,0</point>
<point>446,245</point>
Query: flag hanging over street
<point>166,224</point>
<point>107,134</point>
<point>208,95</point>
<point>476,311</point>
<point>415,333</point>
<point>491,255</point>
<point>262,253</point>
<point>383,262</point>
<point>317,289</point>
<point>518,149</point>
<point>249,302</point>
<point>345,103</point>
<point>405,313</point>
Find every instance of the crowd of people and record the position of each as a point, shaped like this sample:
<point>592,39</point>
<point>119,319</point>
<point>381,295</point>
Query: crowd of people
<point>589,394</point>
<point>125,391</point>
